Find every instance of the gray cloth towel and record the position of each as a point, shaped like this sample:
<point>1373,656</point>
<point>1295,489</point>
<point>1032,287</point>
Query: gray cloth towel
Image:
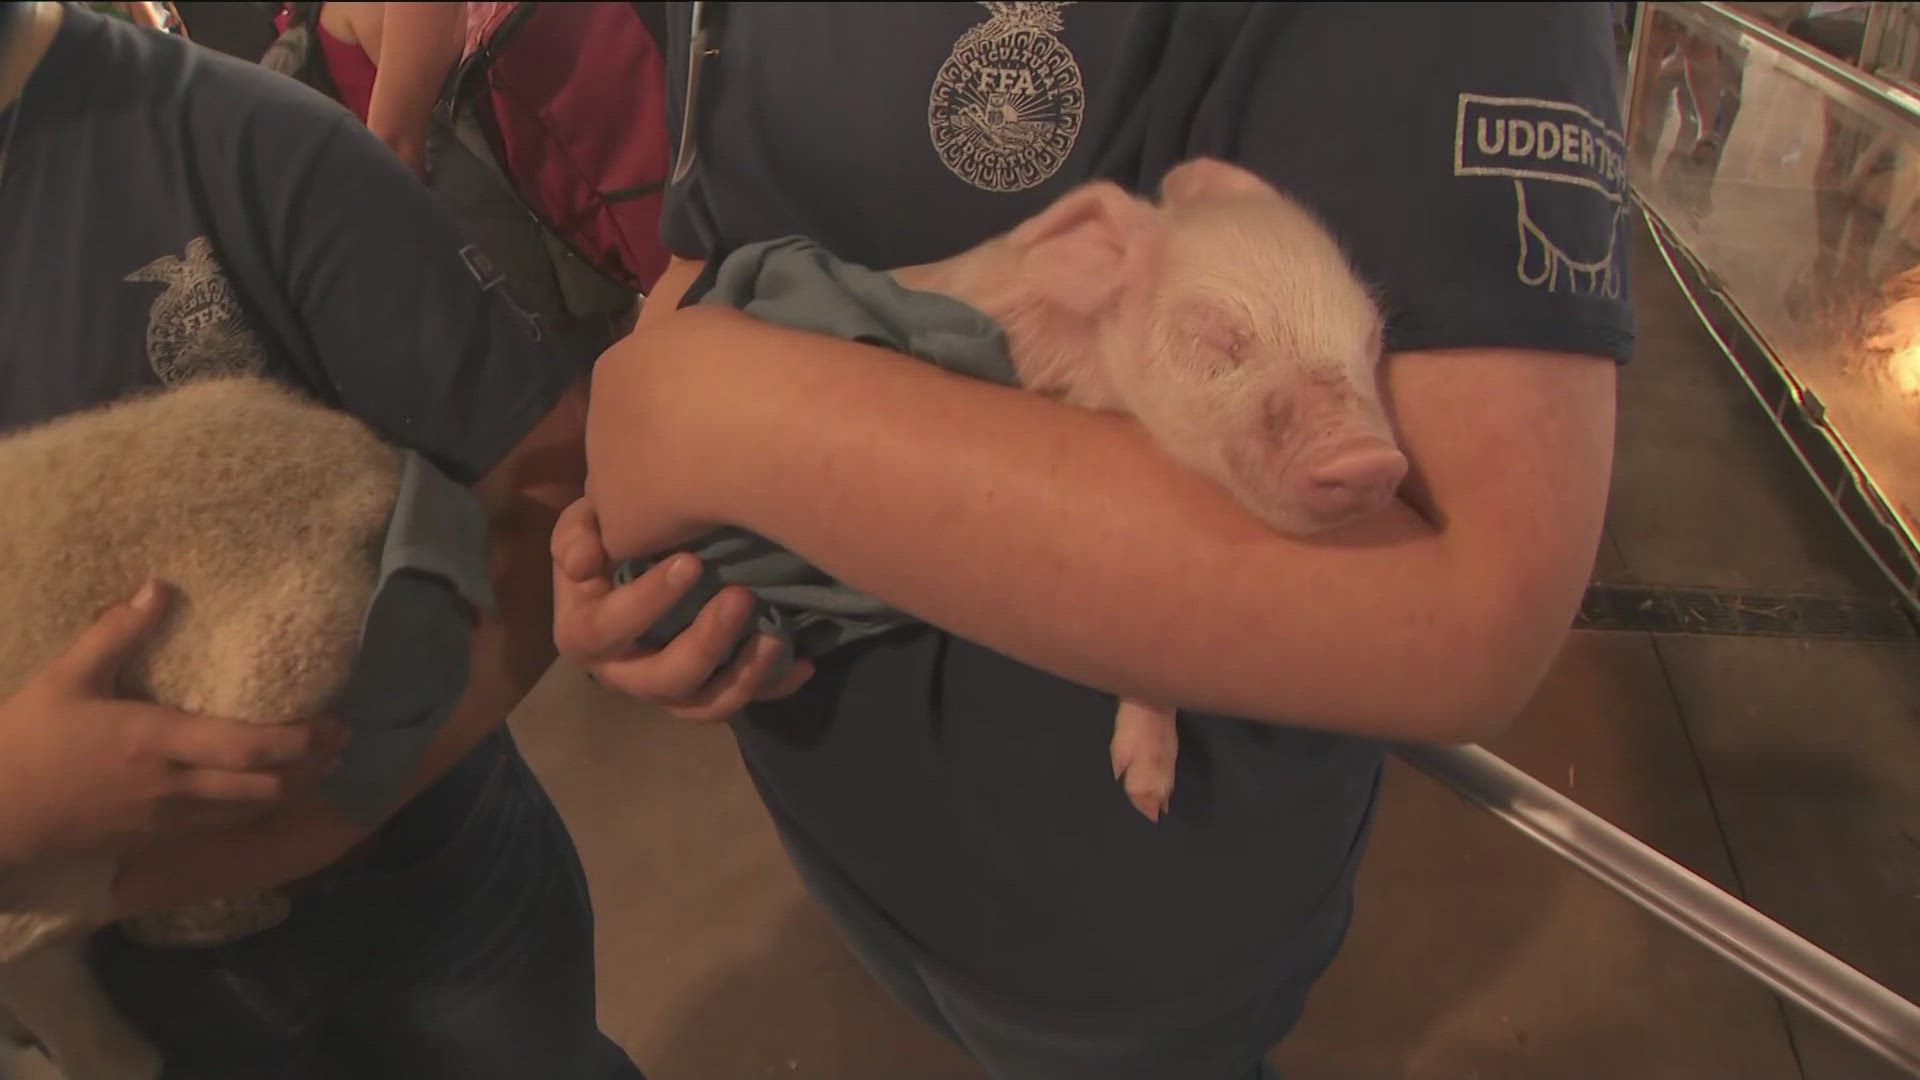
<point>795,282</point>
<point>412,666</point>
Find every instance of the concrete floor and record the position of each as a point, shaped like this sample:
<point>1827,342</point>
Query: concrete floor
<point>1781,769</point>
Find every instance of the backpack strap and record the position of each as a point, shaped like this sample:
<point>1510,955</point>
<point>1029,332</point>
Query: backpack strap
<point>303,14</point>
<point>654,17</point>
<point>468,75</point>
<point>706,16</point>
<point>296,52</point>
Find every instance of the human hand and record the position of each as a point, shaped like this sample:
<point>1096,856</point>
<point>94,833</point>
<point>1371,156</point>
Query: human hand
<point>82,770</point>
<point>597,626</point>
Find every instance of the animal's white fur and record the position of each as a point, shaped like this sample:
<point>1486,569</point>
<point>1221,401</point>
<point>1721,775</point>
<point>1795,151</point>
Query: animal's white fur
<point>1221,246</point>
<point>265,513</point>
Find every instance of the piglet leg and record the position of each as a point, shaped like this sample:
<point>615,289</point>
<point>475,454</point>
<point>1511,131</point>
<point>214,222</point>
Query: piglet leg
<point>1145,743</point>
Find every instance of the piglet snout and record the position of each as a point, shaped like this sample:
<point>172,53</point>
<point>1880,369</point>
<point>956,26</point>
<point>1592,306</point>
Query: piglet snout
<point>1352,480</point>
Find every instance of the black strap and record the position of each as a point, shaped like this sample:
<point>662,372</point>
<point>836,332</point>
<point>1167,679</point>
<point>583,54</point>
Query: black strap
<point>706,231</point>
<point>654,16</point>
<point>303,14</point>
<point>296,52</point>
<point>467,77</point>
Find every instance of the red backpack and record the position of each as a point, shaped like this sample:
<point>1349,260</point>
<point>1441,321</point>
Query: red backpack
<point>572,99</point>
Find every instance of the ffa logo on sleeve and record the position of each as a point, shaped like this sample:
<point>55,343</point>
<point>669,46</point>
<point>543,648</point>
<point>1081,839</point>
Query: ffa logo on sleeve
<point>1006,107</point>
<point>196,327</point>
<point>1550,150</point>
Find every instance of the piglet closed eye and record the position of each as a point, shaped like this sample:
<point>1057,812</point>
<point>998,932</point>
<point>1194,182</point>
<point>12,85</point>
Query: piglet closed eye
<point>1228,321</point>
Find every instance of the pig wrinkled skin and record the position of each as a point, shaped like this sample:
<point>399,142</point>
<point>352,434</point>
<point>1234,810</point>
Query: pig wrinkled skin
<point>1229,323</point>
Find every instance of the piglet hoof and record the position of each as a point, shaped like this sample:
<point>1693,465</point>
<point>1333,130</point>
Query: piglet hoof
<point>1149,794</point>
<point>1145,743</point>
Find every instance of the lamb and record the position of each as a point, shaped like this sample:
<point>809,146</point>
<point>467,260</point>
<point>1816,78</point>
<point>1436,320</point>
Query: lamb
<point>267,515</point>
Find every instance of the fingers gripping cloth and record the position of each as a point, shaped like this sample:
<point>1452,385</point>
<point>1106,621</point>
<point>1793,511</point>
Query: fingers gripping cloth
<point>315,569</point>
<point>764,618</point>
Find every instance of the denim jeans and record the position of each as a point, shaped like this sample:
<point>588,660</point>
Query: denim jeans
<point>460,948</point>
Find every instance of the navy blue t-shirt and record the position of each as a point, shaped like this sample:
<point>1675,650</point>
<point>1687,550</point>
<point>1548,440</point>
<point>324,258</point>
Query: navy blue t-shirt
<point>1469,157</point>
<point>168,212</point>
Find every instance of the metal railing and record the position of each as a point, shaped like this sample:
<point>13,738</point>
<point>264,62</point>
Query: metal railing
<point>1796,969</point>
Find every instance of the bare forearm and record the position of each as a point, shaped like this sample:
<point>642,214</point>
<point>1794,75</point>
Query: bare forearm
<point>1066,539</point>
<point>418,45</point>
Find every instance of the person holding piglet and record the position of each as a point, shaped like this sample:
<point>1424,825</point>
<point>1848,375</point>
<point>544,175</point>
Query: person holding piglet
<point>945,789</point>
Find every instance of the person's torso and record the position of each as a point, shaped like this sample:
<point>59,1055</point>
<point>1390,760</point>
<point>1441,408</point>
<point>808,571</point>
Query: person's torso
<point>987,111</point>
<point>346,58</point>
<point>969,795</point>
<point>349,64</point>
<point>137,256</point>
<point>121,273</point>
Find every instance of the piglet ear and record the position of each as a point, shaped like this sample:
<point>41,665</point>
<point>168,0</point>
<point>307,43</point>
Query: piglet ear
<point>1095,244</point>
<point>1211,180</point>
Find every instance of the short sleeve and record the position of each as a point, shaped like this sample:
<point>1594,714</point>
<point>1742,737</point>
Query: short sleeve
<point>1469,157</point>
<point>390,311</point>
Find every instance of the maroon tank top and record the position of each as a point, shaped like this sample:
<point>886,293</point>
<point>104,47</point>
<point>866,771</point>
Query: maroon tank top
<point>349,65</point>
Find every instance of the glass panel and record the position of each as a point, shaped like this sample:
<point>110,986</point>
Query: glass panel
<point>1792,181</point>
<point>1800,192</point>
